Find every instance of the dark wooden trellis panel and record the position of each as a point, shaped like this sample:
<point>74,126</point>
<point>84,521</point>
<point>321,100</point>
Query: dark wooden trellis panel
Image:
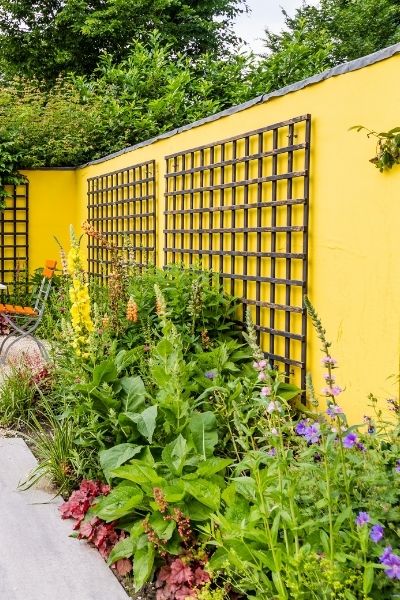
<point>122,207</point>
<point>14,236</point>
<point>240,207</point>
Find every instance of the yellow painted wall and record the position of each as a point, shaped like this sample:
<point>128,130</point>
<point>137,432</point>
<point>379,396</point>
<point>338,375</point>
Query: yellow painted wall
<point>53,206</point>
<point>354,266</point>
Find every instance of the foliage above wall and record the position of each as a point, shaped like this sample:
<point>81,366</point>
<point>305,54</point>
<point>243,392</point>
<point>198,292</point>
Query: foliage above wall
<point>8,170</point>
<point>387,147</point>
<point>80,80</point>
<point>46,38</point>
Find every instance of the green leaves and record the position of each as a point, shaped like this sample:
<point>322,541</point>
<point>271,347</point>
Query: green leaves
<point>388,147</point>
<point>138,472</point>
<point>135,393</point>
<point>116,456</point>
<point>145,421</point>
<point>105,372</point>
<point>203,427</point>
<point>204,491</point>
<point>119,503</point>
<point>174,455</point>
<point>122,549</point>
<point>143,561</point>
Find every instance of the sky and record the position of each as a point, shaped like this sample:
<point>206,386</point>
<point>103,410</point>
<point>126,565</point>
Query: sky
<point>264,13</point>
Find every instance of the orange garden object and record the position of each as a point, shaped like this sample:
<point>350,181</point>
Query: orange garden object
<point>24,320</point>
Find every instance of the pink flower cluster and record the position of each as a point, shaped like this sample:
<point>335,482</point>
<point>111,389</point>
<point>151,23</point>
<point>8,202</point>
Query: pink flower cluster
<point>180,579</point>
<point>259,366</point>
<point>99,533</point>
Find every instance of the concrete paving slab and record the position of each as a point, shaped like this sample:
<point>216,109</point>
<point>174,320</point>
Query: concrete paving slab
<point>38,559</point>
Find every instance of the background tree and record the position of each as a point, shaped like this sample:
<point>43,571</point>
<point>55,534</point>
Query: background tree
<point>43,38</point>
<point>345,29</point>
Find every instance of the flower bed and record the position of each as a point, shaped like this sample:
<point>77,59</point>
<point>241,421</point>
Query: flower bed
<point>193,464</point>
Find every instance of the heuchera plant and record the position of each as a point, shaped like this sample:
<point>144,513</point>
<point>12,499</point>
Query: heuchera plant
<point>181,578</point>
<point>102,535</point>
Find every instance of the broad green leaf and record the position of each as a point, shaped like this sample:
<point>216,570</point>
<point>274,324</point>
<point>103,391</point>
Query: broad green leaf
<point>120,502</point>
<point>135,393</point>
<point>105,372</point>
<point>122,549</point>
<point>205,492</point>
<point>164,349</point>
<point>143,561</point>
<point>174,455</point>
<point>138,472</point>
<point>164,529</point>
<point>196,511</point>
<point>147,423</point>
<point>124,359</point>
<point>117,456</point>
<point>287,391</point>
<point>203,427</point>
<point>175,491</point>
<point>213,465</point>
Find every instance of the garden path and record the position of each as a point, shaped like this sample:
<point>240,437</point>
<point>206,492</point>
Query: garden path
<point>38,559</point>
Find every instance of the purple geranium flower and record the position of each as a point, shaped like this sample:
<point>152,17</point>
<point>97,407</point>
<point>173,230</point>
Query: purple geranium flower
<point>398,466</point>
<point>376,533</point>
<point>392,562</point>
<point>262,376</point>
<point>272,452</point>
<point>350,440</point>
<point>301,427</point>
<point>312,433</point>
<point>209,374</point>
<point>362,518</point>
<point>385,554</point>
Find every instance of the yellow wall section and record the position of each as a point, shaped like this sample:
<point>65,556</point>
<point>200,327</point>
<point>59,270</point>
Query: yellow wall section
<point>354,266</point>
<point>53,206</point>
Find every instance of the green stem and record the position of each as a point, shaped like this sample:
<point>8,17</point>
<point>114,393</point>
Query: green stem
<point>328,497</point>
<point>281,590</point>
<point>291,506</point>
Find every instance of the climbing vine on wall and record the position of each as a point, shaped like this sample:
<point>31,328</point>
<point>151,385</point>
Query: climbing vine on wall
<point>9,174</point>
<point>387,147</point>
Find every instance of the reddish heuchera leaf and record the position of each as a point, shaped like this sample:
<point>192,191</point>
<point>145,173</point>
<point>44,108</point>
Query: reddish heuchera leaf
<point>181,578</point>
<point>123,566</point>
<point>88,529</point>
<point>185,592</point>
<point>180,573</point>
<point>201,576</point>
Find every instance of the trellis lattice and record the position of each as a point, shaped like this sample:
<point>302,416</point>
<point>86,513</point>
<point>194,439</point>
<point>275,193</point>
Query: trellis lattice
<point>240,207</point>
<point>14,236</point>
<point>121,207</point>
